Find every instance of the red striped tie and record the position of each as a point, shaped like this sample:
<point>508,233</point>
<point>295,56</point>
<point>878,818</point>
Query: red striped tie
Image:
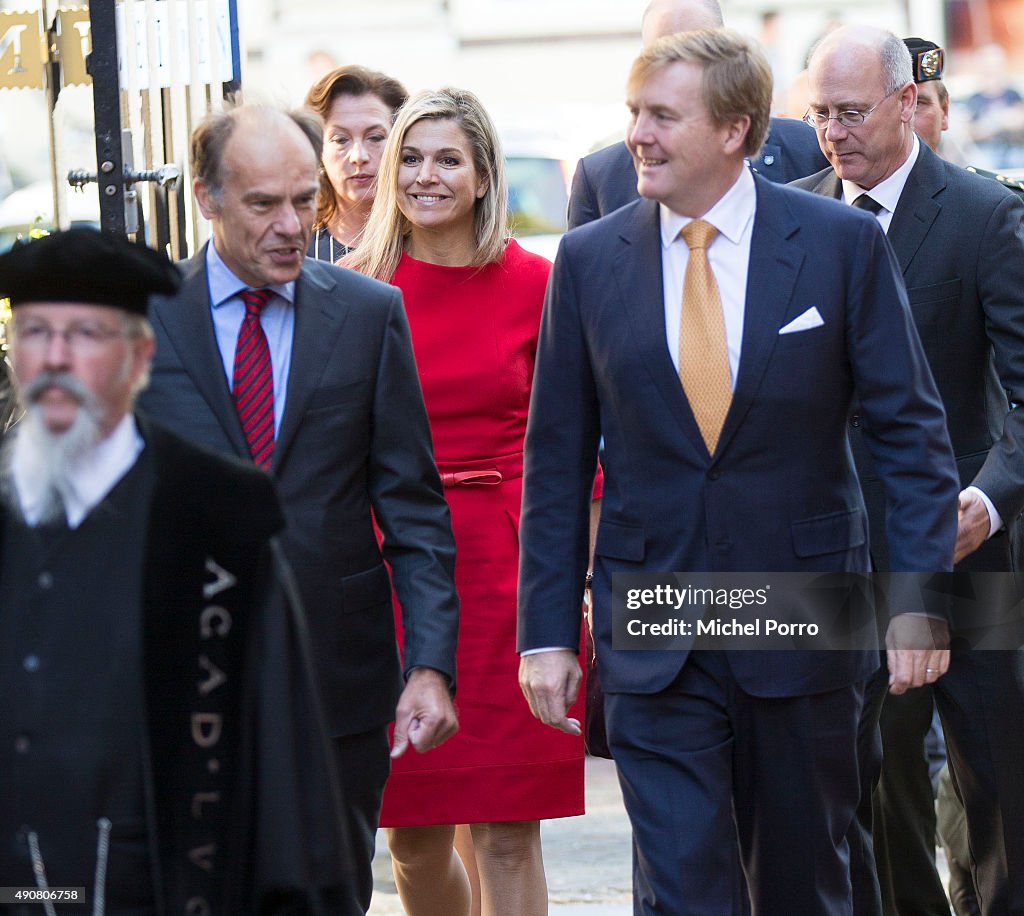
<point>253,381</point>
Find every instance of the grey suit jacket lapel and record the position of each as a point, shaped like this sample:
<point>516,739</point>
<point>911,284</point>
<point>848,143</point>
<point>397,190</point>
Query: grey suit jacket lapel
<point>189,327</point>
<point>917,209</point>
<point>829,186</point>
<point>320,313</point>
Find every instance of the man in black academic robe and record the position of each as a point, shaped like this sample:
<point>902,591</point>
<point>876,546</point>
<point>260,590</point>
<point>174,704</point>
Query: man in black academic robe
<point>163,744</point>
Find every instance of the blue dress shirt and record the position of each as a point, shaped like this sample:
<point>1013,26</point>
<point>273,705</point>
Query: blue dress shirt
<point>278,320</point>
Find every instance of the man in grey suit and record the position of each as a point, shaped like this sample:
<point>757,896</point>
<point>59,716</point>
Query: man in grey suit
<point>606,180</point>
<point>308,370</point>
<point>959,241</point>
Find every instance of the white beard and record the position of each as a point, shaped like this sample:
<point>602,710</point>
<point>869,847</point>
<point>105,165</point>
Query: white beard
<point>37,465</point>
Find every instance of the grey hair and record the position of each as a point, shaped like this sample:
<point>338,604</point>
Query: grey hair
<point>136,327</point>
<point>896,63</point>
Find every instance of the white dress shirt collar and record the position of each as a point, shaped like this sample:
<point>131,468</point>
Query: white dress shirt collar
<point>729,256</point>
<point>886,192</point>
<point>730,215</point>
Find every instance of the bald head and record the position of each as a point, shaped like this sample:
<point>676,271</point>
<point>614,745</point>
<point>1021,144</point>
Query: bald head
<point>255,179</point>
<point>210,138</point>
<point>666,17</point>
<point>884,49</point>
<point>865,70</point>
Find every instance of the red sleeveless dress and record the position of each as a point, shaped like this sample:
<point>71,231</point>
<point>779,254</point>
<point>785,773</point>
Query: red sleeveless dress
<point>474,332</point>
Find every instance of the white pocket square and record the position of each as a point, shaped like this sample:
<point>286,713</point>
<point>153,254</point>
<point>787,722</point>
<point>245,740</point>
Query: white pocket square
<point>809,319</point>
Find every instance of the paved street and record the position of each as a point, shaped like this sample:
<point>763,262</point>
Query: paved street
<point>587,858</point>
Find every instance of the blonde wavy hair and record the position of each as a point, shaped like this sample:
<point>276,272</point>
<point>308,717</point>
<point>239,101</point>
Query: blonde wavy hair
<point>383,240</point>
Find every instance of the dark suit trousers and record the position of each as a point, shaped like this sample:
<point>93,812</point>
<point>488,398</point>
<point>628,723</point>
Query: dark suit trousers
<point>864,847</point>
<point>892,840</point>
<point>904,809</point>
<point>981,704</point>
<point>363,766</point>
<point>703,764</point>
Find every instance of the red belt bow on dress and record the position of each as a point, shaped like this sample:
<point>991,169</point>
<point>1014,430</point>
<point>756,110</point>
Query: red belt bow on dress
<point>481,472</point>
<point>471,478</point>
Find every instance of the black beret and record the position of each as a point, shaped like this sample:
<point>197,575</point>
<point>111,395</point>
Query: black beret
<point>927,58</point>
<point>84,265</point>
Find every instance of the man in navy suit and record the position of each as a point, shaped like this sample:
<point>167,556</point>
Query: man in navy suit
<point>728,755</point>
<point>959,242</point>
<point>606,180</point>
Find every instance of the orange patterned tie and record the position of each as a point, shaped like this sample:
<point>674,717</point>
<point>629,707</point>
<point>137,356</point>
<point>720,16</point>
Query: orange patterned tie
<point>703,353</point>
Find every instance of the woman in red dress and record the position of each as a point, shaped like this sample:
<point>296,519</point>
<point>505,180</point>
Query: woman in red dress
<point>438,230</point>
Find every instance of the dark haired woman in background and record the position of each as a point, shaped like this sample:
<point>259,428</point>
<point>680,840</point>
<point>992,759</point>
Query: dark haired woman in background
<point>358,106</point>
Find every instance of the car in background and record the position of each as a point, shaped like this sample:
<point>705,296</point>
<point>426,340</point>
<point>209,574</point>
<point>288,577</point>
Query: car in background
<point>539,169</point>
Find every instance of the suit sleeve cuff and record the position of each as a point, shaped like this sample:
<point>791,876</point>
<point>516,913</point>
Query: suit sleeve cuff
<point>995,522</point>
<point>526,652</point>
<point>443,674</point>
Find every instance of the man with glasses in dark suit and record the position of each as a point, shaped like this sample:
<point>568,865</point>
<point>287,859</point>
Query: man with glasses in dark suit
<point>959,242</point>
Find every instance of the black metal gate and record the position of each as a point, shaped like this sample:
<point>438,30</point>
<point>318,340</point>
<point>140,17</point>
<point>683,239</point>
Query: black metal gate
<point>156,67</point>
